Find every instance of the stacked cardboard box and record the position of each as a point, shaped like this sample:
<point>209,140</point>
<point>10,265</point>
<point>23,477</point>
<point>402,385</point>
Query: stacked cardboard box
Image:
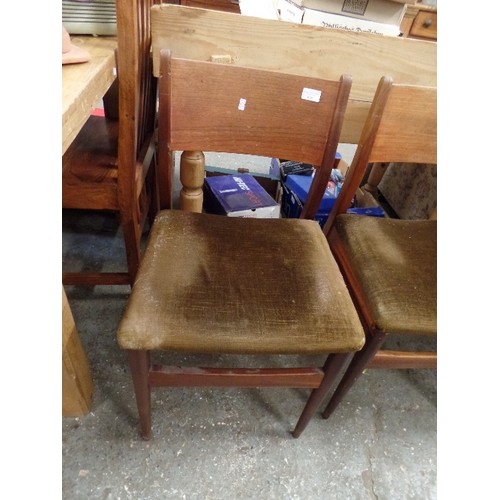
<point>382,17</point>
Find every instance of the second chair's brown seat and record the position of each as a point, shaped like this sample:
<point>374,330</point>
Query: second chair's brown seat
<point>396,265</point>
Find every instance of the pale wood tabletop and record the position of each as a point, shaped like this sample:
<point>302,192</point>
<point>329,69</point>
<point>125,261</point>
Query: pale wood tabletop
<point>84,84</point>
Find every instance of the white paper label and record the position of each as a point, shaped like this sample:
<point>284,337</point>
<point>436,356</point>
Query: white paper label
<point>311,94</point>
<point>242,104</point>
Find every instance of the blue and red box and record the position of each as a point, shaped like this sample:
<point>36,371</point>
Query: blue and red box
<point>295,190</point>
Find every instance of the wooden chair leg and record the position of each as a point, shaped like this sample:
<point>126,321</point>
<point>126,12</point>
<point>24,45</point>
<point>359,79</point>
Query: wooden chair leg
<point>354,370</point>
<point>154,205</point>
<point>132,247</point>
<point>140,362</point>
<point>332,368</point>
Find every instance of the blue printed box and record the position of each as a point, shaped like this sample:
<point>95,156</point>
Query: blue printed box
<point>238,196</point>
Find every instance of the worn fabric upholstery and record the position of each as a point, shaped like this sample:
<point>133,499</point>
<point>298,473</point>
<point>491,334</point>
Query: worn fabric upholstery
<point>395,264</point>
<point>280,292</point>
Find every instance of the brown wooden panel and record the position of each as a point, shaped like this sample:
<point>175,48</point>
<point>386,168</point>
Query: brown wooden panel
<point>408,130</point>
<point>90,167</point>
<point>235,377</point>
<point>249,118</point>
<point>403,360</point>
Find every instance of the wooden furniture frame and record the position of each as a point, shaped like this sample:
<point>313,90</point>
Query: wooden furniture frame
<point>189,311</point>
<point>110,165</point>
<point>208,35</point>
<point>401,127</point>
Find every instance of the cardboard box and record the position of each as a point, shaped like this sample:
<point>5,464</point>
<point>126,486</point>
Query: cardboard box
<point>238,196</point>
<point>276,170</point>
<point>269,181</point>
<point>381,11</point>
<point>289,11</point>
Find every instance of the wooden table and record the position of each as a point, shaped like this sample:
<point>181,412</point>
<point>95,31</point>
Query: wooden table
<point>83,85</point>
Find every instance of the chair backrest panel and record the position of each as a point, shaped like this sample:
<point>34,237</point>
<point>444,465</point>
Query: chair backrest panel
<point>408,129</point>
<point>224,108</point>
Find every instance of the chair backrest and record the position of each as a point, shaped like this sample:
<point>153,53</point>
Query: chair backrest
<point>401,127</point>
<point>137,91</point>
<point>232,109</point>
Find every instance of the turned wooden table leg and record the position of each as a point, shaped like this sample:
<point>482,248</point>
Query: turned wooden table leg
<point>374,178</point>
<point>192,176</point>
<point>77,385</point>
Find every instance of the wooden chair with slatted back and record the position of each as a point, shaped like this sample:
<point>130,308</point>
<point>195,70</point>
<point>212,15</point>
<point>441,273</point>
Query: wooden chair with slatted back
<point>212,284</point>
<point>389,264</point>
<point>110,165</point>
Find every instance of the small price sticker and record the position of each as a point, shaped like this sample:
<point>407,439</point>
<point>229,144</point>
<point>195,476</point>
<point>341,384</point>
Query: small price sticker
<point>311,94</point>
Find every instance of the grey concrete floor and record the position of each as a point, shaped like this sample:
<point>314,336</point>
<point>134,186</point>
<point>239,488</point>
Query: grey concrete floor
<point>232,443</point>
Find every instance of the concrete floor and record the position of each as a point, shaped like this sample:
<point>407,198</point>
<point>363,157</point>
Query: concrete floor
<point>232,443</point>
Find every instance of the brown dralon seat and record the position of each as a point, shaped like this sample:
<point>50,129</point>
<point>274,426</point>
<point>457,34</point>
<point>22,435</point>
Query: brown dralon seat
<point>214,284</point>
<point>219,284</point>
<point>389,265</point>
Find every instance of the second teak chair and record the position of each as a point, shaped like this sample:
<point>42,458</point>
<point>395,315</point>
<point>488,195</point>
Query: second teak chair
<point>390,265</point>
<point>211,284</point>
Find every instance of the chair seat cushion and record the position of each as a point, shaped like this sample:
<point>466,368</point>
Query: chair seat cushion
<point>394,263</point>
<point>211,283</point>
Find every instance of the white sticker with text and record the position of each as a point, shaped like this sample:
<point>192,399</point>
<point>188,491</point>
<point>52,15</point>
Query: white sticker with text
<point>311,94</point>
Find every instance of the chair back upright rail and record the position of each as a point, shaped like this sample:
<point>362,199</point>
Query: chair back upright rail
<point>249,111</point>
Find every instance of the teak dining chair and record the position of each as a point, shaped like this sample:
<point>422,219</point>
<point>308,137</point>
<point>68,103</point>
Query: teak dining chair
<point>215,285</point>
<point>110,165</point>
<point>389,264</point>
